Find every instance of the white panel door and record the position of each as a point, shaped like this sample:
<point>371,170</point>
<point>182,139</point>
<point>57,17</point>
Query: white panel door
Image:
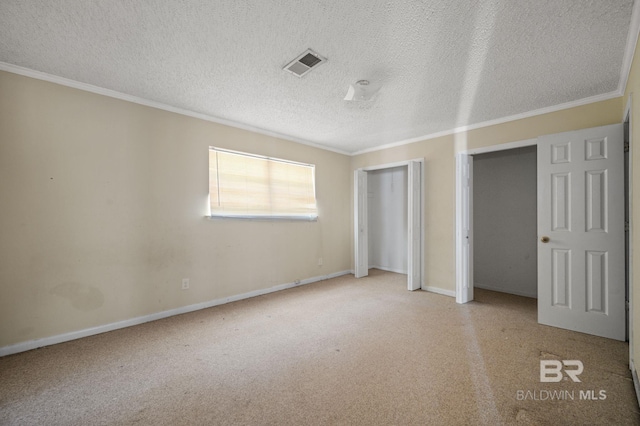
<point>581,276</point>
<point>464,228</point>
<point>414,252</point>
<point>361,227</point>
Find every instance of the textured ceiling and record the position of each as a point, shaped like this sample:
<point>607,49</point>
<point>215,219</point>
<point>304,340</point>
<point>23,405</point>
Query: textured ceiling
<point>442,64</point>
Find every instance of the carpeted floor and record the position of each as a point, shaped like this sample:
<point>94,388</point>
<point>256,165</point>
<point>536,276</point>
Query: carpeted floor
<point>342,351</point>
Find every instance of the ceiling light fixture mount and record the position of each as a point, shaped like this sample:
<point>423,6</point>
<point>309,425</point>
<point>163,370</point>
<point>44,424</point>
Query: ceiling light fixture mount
<point>361,91</point>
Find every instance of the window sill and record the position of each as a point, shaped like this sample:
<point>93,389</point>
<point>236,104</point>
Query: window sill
<point>265,218</point>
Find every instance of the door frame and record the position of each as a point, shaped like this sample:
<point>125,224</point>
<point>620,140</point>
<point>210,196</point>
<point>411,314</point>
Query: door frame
<point>464,265</point>
<point>360,218</point>
<point>627,118</point>
<point>464,218</point>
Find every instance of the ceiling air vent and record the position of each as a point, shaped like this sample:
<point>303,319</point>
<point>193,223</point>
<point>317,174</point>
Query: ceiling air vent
<point>303,63</point>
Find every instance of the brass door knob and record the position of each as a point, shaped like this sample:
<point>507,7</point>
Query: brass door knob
<point>545,239</point>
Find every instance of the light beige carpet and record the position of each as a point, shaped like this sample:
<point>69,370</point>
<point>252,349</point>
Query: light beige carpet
<point>342,351</point>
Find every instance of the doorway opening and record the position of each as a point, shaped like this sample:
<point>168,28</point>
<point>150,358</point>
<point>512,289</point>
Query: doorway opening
<point>505,221</point>
<point>404,218</point>
<point>581,273</point>
<point>464,215</point>
<point>388,202</point>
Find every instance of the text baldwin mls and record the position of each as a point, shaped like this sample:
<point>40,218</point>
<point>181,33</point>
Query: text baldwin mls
<point>553,395</point>
<point>556,371</point>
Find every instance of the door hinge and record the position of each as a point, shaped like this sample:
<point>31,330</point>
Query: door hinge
<point>626,226</point>
<point>626,146</point>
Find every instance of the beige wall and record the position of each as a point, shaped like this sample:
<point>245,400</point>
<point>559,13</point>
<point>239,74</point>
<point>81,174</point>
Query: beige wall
<point>103,205</point>
<point>633,90</point>
<point>439,154</point>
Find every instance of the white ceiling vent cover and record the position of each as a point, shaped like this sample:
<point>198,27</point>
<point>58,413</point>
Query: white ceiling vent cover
<point>304,63</point>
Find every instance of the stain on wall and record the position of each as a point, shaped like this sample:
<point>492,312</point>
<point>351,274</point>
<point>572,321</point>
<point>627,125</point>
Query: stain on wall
<point>82,297</point>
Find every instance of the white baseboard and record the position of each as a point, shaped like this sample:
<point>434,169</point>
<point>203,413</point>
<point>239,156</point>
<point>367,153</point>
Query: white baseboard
<point>506,290</point>
<point>438,290</point>
<point>383,268</point>
<point>636,383</point>
<point>60,338</point>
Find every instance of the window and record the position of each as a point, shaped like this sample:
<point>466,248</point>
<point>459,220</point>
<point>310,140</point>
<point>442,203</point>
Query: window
<point>252,186</point>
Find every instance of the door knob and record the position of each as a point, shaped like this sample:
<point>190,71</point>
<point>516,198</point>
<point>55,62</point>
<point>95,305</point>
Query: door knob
<point>545,239</point>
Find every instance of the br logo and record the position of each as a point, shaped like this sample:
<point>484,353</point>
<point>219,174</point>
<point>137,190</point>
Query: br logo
<point>552,370</point>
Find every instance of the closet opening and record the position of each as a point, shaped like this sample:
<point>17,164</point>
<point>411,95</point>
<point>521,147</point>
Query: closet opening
<point>388,220</point>
<point>505,244</point>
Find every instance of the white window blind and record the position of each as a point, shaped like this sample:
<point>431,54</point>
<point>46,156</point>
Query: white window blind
<point>247,185</point>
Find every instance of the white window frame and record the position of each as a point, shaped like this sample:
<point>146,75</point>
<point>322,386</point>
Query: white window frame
<point>289,217</point>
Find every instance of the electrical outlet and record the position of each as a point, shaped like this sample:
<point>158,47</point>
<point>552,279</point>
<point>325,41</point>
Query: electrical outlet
<point>185,283</point>
<point>320,261</point>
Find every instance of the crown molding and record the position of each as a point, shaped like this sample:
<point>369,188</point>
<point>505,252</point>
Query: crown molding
<point>39,75</point>
<point>27,72</point>
<point>528,114</point>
